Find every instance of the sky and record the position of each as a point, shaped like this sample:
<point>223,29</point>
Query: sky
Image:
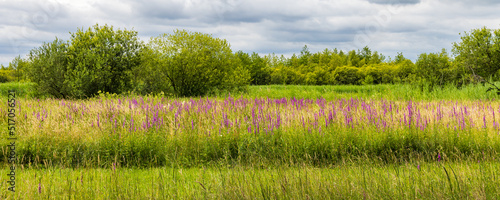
<point>263,26</point>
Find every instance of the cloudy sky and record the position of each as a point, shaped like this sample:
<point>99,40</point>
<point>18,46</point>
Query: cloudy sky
<point>262,26</point>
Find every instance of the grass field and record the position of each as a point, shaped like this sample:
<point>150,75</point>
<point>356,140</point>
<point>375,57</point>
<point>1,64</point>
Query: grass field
<point>390,92</point>
<point>463,180</point>
<point>270,142</point>
<point>328,92</point>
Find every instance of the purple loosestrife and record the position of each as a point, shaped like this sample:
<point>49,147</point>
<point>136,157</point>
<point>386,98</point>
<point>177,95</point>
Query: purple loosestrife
<point>484,121</point>
<point>39,188</point>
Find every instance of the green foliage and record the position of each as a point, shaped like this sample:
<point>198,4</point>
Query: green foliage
<point>48,67</point>
<point>479,52</point>
<point>395,92</point>
<point>286,75</point>
<point>17,68</point>
<point>347,76</point>
<point>405,71</point>
<point>435,69</point>
<point>23,90</point>
<point>6,75</point>
<point>372,74</point>
<point>192,64</point>
<point>101,58</point>
<point>258,67</point>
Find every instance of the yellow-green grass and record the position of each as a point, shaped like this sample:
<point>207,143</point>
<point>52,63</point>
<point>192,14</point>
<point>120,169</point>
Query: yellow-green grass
<point>388,91</point>
<point>329,92</point>
<point>156,131</point>
<point>442,180</point>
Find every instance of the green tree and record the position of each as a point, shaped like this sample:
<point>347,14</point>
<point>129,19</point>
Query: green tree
<point>479,52</point>
<point>325,57</point>
<point>366,54</point>
<point>354,60</point>
<point>18,65</point>
<point>399,58</point>
<point>305,54</point>
<point>376,58</point>
<point>259,70</point>
<point>194,63</point>
<point>347,76</point>
<point>257,66</point>
<point>48,67</point>
<point>405,71</point>
<point>5,74</point>
<point>101,59</point>
<point>434,68</point>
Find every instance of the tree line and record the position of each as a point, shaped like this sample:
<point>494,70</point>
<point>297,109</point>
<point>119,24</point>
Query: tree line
<point>103,59</point>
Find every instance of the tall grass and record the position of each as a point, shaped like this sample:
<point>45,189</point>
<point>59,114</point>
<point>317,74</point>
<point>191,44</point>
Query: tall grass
<point>270,142</point>
<point>23,90</point>
<point>391,92</point>
<point>444,180</point>
<point>329,92</point>
<point>151,131</point>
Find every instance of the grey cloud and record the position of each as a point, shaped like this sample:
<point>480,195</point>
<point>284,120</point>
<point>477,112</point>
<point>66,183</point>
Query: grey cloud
<point>160,9</point>
<point>263,26</point>
<point>395,2</point>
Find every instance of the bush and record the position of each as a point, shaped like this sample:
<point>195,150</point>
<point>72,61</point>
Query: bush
<point>434,69</point>
<point>347,76</point>
<point>99,59</point>
<point>47,68</point>
<point>191,64</point>
<point>6,75</point>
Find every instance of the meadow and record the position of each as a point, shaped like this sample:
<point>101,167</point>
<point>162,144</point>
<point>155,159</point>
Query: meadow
<point>269,142</point>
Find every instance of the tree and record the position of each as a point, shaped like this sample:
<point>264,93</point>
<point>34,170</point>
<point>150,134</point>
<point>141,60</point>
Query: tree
<point>479,52</point>
<point>18,66</point>
<point>98,59</point>
<point>353,59</point>
<point>399,58</point>
<point>405,71</point>
<point>193,63</point>
<point>101,59</point>
<point>434,68</point>
<point>347,76</point>
<point>304,56</point>
<point>376,58</point>
<point>259,70</point>
<point>257,67</point>
<point>366,54</point>
<point>47,68</point>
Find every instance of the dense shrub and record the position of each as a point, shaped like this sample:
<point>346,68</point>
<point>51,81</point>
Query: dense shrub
<point>6,75</point>
<point>48,67</point>
<point>191,64</point>
<point>479,52</point>
<point>347,76</point>
<point>98,59</point>
<point>434,69</point>
<point>101,59</point>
